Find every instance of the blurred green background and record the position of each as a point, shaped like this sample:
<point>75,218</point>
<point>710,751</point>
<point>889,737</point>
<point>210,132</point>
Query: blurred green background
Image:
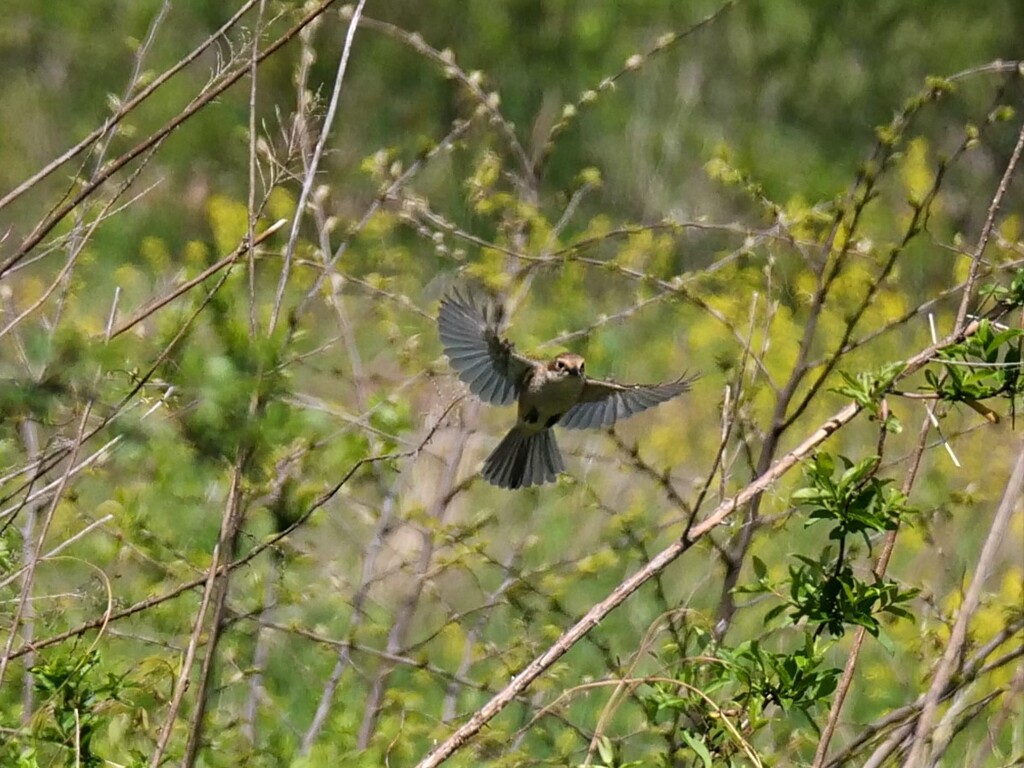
<point>416,591</point>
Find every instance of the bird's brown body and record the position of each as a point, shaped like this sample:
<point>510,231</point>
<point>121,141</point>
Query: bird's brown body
<point>555,392</point>
<point>550,390</point>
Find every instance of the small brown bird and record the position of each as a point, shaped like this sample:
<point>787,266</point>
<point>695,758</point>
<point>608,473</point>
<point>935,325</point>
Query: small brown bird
<point>556,392</point>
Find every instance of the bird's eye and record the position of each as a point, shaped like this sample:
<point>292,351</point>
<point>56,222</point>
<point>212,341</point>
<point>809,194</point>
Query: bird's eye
<point>560,365</point>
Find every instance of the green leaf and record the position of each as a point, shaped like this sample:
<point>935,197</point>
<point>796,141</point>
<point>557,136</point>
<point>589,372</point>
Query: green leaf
<point>760,569</point>
<point>698,747</point>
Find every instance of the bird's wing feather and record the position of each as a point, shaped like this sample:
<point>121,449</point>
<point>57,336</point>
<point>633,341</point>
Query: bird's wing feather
<point>602,402</point>
<point>484,360</point>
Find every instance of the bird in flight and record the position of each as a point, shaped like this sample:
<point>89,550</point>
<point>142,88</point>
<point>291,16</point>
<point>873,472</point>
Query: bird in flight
<point>548,393</point>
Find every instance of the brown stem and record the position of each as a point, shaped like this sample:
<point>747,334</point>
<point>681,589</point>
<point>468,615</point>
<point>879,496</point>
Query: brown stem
<point>659,562</point>
<point>951,658</point>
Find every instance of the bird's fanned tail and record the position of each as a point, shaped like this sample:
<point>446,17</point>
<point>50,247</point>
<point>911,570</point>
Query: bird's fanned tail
<point>524,458</point>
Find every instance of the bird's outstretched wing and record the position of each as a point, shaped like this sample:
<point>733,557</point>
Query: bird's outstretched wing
<point>602,402</point>
<point>486,362</point>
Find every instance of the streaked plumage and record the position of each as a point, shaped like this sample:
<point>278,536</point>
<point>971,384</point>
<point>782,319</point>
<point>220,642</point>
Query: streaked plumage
<point>556,392</point>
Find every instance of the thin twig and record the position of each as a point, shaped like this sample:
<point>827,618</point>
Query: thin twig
<point>403,618</point>
<point>225,548</point>
<point>846,681</point>
<point>127,107</point>
<point>658,563</point>
<point>161,302</point>
<point>27,582</point>
<point>918,755</point>
<point>257,550</point>
<point>314,165</point>
<point>986,230</point>
<point>215,90</point>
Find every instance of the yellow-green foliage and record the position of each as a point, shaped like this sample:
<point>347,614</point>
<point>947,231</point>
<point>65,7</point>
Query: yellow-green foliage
<point>657,196</point>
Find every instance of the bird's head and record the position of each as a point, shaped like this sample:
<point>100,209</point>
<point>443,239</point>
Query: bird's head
<point>566,364</point>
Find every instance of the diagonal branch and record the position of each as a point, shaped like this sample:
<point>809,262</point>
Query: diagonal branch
<point>659,562</point>
<point>986,231</point>
<point>127,107</point>
<point>919,752</point>
<point>314,165</point>
<point>47,225</point>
